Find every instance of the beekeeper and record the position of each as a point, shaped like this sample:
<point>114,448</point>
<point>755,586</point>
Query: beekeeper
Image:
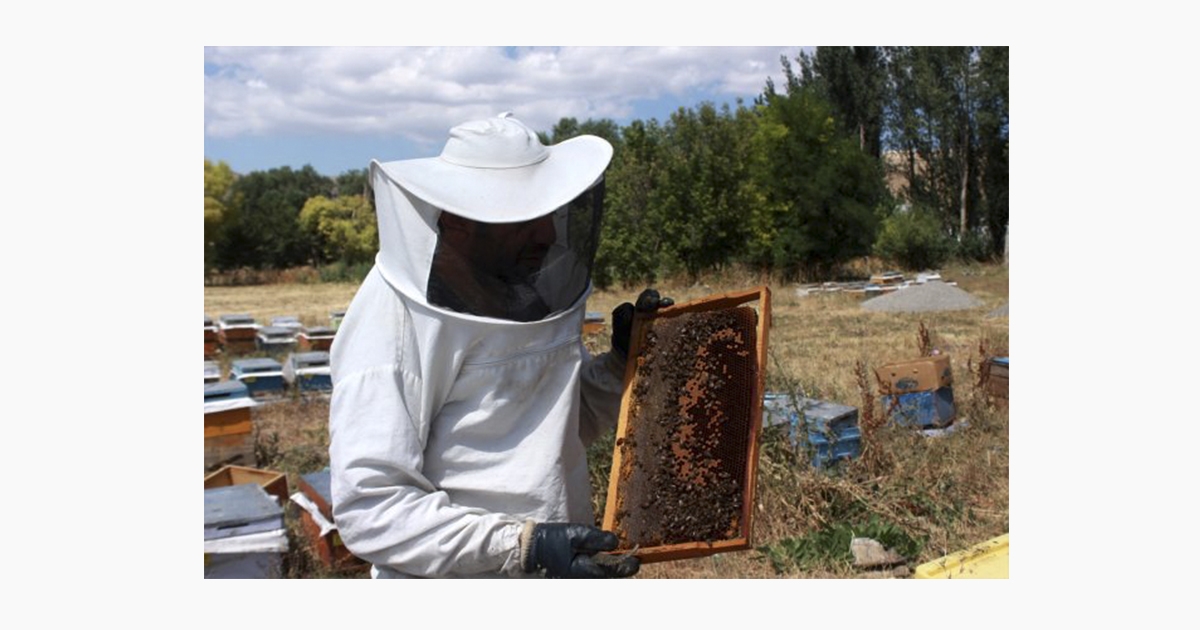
<point>463,397</point>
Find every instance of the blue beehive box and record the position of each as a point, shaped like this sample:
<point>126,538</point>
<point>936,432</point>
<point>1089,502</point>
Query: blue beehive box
<point>225,390</point>
<point>239,510</point>
<point>830,431</point>
<point>212,372</point>
<point>308,371</point>
<point>262,376</point>
<point>924,410</point>
<point>276,339</point>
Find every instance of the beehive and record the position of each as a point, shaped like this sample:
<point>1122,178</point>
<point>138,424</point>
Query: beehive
<point>308,371</point>
<point>686,453</point>
<point>211,338</point>
<point>316,338</point>
<point>237,332</point>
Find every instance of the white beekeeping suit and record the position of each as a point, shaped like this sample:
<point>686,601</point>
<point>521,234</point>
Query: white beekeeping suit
<point>463,397</point>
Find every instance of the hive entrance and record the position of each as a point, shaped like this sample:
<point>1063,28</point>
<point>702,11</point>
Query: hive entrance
<point>686,449</point>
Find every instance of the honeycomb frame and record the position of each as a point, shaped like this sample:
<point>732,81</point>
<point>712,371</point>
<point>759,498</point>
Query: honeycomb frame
<point>651,470</point>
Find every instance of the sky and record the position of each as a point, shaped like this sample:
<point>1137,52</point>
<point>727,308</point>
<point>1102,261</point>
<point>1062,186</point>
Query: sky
<point>337,108</point>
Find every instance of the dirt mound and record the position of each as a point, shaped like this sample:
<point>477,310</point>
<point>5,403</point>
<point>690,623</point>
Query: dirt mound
<point>931,296</point>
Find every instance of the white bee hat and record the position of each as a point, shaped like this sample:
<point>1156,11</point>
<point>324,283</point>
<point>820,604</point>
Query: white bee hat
<point>497,171</point>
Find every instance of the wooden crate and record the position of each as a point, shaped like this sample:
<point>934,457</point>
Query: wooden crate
<point>316,486</point>
<point>222,450</point>
<point>228,422</point>
<point>702,450</point>
<point>329,548</point>
<point>273,482</point>
<point>997,377</point>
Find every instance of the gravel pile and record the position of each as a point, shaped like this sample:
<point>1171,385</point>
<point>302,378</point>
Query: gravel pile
<point>931,296</point>
<point>1000,312</point>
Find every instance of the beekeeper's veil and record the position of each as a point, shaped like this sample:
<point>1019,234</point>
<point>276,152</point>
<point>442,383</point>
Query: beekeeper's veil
<point>523,222</point>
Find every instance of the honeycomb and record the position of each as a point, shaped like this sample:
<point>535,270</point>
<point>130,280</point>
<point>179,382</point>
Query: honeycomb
<point>685,454</point>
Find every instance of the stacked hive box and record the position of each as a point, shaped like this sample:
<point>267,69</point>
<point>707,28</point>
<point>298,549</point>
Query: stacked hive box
<point>316,338</point>
<point>830,432</point>
<point>918,393</point>
<point>212,339</point>
<point>212,372</point>
<point>335,318</point>
<point>244,536</point>
<point>308,371</point>
<point>275,339</point>
<point>237,333</point>
<point>263,377</point>
<point>316,519</point>
<point>274,483</point>
<point>228,428</point>
<point>593,323</point>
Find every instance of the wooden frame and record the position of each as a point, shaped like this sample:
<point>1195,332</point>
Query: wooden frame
<point>274,482</point>
<point>762,296</point>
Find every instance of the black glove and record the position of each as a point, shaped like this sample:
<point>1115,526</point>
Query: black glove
<point>648,302</point>
<point>567,550</point>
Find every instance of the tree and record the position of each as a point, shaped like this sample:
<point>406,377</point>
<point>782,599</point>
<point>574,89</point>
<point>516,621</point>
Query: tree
<point>949,117</point>
<point>218,182</point>
<point>263,232</point>
<point>344,228</point>
<point>820,188</point>
<point>632,233</point>
<point>703,187</point>
<point>853,79</point>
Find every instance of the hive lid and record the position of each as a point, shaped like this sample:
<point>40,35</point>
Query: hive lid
<point>257,364</point>
<point>310,359</point>
<point>318,331</point>
<point>239,510</point>
<point>225,390</point>
<point>320,483</point>
<point>237,319</point>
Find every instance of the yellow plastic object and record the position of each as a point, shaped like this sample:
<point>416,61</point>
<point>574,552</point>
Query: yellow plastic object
<point>987,560</point>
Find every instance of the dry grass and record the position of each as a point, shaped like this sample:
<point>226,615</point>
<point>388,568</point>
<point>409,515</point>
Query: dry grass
<point>947,492</point>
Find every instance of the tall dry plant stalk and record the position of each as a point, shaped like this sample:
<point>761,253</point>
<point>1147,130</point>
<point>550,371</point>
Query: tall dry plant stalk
<point>873,457</point>
<point>924,344</point>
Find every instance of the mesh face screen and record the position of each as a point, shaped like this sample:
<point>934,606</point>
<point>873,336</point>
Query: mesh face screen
<point>689,428</point>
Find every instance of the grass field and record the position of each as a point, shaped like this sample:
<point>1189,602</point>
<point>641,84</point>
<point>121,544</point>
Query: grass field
<point>924,497</point>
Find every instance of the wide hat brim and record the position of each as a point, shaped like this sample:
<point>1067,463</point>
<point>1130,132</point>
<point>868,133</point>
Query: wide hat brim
<point>506,195</point>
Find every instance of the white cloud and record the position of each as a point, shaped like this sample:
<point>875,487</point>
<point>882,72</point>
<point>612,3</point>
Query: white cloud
<point>418,93</point>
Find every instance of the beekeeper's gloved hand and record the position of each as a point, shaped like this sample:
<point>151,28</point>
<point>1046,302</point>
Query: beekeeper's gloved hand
<point>648,302</point>
<point>569,550</point>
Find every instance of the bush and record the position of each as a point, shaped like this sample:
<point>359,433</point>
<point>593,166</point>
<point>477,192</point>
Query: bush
<point>345,272</point>
<point>913,239</point>
<point>974,247</point>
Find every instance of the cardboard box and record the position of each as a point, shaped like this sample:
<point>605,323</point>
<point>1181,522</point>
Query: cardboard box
<point>917,375</point>
<point>273,482</point>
